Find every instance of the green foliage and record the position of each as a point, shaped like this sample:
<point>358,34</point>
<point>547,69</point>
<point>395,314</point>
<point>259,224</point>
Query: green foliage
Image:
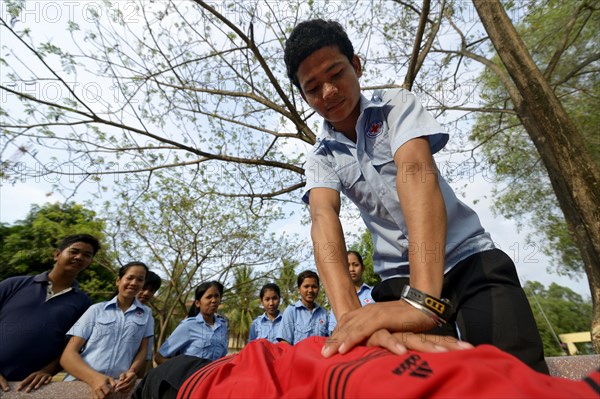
<point>28,245</point>
<point>558,310</point>
<point>14,7</point>
<point>522,188</point>
<point>241,304</point>
<point>287,282</point>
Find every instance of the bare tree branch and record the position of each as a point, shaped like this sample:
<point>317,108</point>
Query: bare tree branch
<point>412,67</point>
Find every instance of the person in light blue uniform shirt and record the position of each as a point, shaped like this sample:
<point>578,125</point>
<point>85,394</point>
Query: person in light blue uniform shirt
<point>203,334</point>
<point>151,285</point>
<point>268,324</point>
<point>305,318</point>
<point>114,337</point>
<point>440,270</point>
<point>356,268</point>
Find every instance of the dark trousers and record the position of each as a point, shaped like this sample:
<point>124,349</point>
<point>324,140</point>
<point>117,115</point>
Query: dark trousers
<point>490,307</point>
<point>164,381</point>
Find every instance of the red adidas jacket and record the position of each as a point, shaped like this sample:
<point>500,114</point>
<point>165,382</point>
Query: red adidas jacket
<point>265,370</point>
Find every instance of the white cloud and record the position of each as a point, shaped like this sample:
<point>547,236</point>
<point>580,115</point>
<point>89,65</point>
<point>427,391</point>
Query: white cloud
<point>15,201</point>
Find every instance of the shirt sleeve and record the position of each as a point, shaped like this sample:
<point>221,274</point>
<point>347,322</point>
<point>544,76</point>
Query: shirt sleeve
<point>149,331</point>
<point>253,333</point>
<point>84,327</point>
<point>408,119</point>
<point>9,286</point>
<point>331,323</point>
<point>177,340</point>
<point>287,326</point>
<point>5,288</point>
<point>225,341</point>
<point>319,172</point>
<point>150,346</point>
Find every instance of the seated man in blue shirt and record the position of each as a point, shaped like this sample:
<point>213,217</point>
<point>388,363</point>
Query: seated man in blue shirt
<point>37,311</point>
<point>429,247</point>
<point>305,318</point>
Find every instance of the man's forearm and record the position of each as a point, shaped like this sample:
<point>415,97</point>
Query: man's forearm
<point>425,214</point>
<point>331,260</point>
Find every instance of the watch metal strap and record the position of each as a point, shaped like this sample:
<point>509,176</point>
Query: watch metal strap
<point>441,307</point>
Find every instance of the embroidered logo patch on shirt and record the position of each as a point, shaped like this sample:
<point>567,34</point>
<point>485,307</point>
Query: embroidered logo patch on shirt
<point>375,129</point>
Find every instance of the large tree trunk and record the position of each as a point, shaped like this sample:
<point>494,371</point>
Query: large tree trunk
<point>575,177</point>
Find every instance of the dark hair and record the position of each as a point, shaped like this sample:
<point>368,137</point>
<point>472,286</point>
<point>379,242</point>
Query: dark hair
<point>360,259</point>
<point>200,291</point>
<point>307,274</point>
<point>153,280</point>
<point>310,36</point>
<point>86,238</point>
<point>129,265</point>
<point>270,286</point>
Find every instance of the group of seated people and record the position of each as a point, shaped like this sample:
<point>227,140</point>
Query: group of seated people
<point>49,324</point>
<point>305,317</point>
<point>204,333</point>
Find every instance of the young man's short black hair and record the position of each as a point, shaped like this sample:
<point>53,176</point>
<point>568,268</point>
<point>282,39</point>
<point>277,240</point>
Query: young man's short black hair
<point>307,274</point>
<point>153,281</point>
<point>86,238</point>
<point>310,36</point>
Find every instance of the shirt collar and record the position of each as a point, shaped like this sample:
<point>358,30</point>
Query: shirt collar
<point>329,133</point>
<point>135,305</point>
<point>200,319</point>
<point>299,304</point>
<point>363,287</point>
<point>265,317</point>
<point>43,278</point>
